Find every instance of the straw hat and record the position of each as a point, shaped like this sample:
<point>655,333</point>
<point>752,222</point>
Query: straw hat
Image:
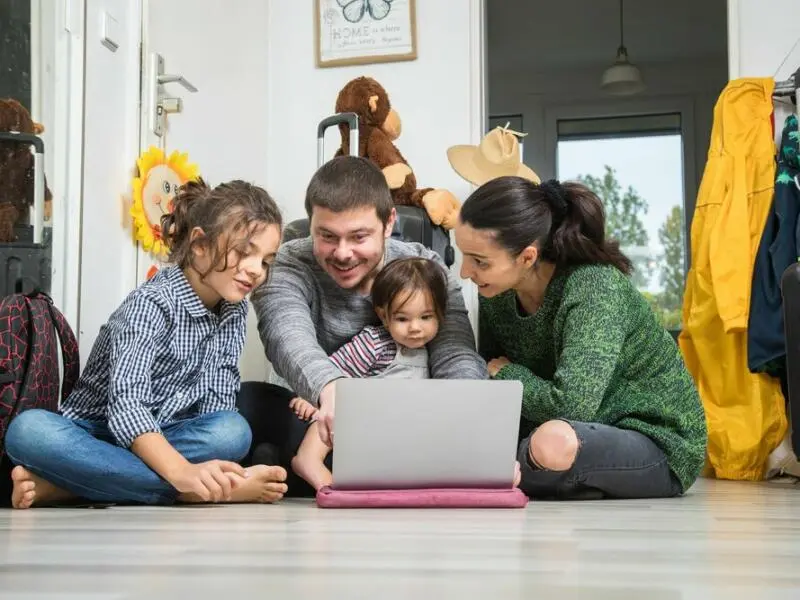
<point>497,155</point>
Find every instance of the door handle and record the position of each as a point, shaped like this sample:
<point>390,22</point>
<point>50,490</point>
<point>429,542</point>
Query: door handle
<point>162,79</point>
<point>159,104</point>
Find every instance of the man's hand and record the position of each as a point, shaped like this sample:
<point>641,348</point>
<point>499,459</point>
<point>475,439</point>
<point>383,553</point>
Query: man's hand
<point>302,408</point>
<point>496,364</point>
<point>212,481</point>
<point>327,401</point>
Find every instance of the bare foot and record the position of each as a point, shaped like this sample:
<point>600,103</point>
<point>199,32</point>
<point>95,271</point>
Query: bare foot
<point>30,489</point>
<point>313,470</point>
<point>263,485</point>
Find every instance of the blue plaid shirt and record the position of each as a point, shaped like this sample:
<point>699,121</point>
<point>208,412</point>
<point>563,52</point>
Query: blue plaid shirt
<point>162,357</point>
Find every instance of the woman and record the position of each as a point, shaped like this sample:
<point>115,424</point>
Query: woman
<point>608,409</point>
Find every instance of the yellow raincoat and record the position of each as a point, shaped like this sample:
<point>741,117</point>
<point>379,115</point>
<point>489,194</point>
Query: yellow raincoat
<point>745,412</point>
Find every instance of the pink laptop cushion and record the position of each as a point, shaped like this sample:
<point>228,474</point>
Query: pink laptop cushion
<point>424,498</point>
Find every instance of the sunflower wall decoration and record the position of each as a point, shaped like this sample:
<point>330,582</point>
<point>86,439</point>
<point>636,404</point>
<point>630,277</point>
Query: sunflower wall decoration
<point>154,188</point>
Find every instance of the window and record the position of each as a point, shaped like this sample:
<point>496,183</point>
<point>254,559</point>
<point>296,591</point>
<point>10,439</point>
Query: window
<point>635,165</point>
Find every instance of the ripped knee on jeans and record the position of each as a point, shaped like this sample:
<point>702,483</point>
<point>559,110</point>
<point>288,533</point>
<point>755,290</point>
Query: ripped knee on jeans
<point>554,446</point>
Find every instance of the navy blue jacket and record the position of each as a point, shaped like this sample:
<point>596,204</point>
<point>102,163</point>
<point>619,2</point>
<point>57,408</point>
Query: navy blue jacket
<point>766,342</point>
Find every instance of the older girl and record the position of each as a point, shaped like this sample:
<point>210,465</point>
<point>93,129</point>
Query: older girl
<point>152,419</point>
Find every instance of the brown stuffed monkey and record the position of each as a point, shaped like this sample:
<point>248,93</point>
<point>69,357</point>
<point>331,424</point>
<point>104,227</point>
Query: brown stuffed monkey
<point>379,126</point>
<point>16,170</point>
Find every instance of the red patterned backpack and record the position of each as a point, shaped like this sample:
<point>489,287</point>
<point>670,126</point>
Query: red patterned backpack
<point>30,331</point>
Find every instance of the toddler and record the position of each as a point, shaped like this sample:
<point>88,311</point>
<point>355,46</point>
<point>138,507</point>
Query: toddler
<point>410,298</point>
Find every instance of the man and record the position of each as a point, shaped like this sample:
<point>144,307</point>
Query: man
<point>317,296</point>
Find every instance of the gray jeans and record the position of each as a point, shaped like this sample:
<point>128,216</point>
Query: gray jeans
<point>611,463</point>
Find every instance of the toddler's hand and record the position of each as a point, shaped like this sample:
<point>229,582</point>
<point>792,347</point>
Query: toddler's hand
<point>496,364</point>
<point>302,408</point>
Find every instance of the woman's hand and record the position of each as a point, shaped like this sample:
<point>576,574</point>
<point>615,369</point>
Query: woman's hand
<point>496,364</point>
<point>302,408</point>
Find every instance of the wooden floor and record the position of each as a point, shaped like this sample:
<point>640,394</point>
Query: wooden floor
<point>724,540</point>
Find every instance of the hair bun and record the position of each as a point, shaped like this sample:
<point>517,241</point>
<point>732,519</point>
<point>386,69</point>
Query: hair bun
<point>556,198</point>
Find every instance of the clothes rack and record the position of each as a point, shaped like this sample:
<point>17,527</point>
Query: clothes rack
<point>789,87</point>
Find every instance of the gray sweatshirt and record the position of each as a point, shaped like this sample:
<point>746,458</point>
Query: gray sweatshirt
<point>303,317</point>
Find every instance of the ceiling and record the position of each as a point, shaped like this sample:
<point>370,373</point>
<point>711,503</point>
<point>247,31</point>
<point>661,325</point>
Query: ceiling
<point>543,35</point>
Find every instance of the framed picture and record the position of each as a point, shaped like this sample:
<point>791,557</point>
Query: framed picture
<point>360,32</point>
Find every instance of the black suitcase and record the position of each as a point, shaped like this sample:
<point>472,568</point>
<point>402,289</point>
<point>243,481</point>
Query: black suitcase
<point>25,265</point>
<point>413,223</point>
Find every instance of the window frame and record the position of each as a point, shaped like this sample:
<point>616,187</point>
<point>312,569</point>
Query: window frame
<point>633,110</point>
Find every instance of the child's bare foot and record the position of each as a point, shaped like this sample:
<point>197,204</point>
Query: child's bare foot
<point>30,489</point>
<point>312,469</point>
<point>264,484</point>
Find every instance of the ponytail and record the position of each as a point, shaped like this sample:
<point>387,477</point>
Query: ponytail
<point>176,225</point>
<point>579,235</point>
<point>566,221</point>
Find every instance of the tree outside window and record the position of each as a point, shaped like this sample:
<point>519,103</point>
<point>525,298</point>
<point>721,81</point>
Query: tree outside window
<point>639,178</point>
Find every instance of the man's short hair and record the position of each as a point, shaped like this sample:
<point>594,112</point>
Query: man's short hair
<point>349,182</point>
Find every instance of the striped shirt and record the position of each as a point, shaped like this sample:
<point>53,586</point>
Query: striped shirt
<point>304,316</point>
<point>161,357</point>
<point>368,354</point>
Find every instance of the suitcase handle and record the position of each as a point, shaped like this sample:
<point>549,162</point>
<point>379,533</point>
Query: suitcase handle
<point>350,119</point>
<point>38,178</point>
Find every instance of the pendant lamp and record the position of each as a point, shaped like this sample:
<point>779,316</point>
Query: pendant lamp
<point>623,78</point>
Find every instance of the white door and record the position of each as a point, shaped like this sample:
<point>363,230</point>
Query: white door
<point>110,145</point>
<point>217,48</point>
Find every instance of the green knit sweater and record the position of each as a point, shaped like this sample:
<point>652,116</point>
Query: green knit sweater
<point>594,352</point>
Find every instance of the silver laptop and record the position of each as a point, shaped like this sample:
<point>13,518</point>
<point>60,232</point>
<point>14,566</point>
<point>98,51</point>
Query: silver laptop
<point>423,433</point>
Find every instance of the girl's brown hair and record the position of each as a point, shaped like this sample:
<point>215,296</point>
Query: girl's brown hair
<point>406,276</point>
<point>228,209</point>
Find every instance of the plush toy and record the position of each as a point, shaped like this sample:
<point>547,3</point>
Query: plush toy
<point>379,126</point>
<point>16,171</point>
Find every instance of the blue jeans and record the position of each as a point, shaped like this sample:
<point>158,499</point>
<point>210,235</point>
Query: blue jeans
<point>82,457</point>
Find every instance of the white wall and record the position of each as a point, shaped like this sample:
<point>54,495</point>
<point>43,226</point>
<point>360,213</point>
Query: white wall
<point>434,95</point>
<point>111,138</point>
<point>762,36</point>
<point>222,48</point>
